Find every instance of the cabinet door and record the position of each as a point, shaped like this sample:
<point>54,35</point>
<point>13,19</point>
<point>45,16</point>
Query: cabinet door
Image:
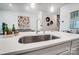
<point>51,50</point>
<point>75,43</point>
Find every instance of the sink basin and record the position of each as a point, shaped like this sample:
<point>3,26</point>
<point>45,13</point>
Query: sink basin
<point>54,37</point>
<point>32,39</point>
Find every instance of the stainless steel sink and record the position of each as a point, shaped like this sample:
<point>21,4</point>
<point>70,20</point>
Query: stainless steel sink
<point>32,39</point>
<point>55,37</point>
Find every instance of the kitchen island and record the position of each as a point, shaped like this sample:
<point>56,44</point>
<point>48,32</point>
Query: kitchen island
<point>67,41</point>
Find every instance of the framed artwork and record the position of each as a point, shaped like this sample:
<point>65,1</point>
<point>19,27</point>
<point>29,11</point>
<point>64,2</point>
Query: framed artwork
<point>49,21</point>
<point>23,22</point>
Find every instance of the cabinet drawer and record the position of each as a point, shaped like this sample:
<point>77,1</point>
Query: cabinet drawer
<point>75,43</point>
<point>51,50</point>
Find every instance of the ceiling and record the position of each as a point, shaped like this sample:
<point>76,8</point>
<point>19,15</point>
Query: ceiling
<point>25,7</point>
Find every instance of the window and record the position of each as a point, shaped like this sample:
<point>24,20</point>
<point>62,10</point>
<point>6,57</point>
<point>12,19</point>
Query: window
<point>74,23</point>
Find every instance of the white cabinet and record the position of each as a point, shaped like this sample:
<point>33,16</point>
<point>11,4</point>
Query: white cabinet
<point>53,50</point>
<point>75,43</point>
<point>74,48</point>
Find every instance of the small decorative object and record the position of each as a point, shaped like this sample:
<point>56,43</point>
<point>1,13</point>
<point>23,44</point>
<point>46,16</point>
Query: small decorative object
<point>6,30</point>
<point>48,24</point>
<point>47,19</point>
<point>13,29</point>
<point>51,22</point>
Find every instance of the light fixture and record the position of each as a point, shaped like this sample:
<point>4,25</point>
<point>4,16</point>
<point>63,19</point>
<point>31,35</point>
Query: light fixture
<point>33,5</point>
<point>10,5</point>
<point>52,9</point>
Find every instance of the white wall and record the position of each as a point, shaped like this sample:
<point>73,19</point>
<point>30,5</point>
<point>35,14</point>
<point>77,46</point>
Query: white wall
<point>0,24</point>
<point>65,15</point>
<point>10,17</point>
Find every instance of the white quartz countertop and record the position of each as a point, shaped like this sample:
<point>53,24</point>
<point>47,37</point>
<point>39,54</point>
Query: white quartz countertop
<point>10,44</point>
